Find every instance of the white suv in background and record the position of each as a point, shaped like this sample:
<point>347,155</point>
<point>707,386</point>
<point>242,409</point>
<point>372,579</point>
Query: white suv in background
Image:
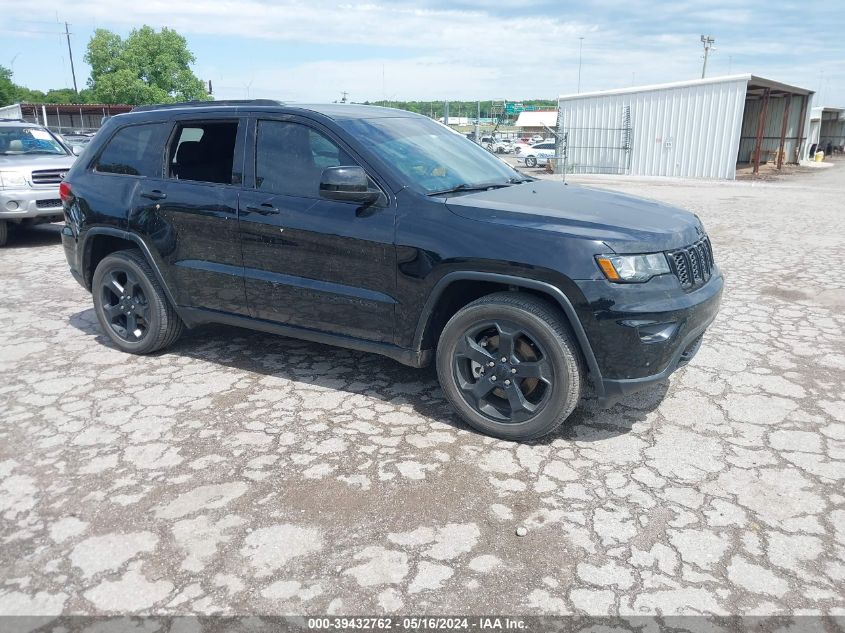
<point>538,154</point>
<point>33,161</point>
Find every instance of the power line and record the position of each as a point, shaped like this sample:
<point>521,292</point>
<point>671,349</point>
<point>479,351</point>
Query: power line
<point>19,32</point>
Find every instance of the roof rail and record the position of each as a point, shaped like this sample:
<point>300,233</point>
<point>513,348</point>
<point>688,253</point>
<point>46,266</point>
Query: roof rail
<point>201,104</point>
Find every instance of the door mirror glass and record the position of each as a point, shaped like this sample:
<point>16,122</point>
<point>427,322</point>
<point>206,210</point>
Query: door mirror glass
<point>348,184</point>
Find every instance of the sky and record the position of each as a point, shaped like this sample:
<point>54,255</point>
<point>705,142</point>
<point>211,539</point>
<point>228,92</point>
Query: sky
<point>300,50</point>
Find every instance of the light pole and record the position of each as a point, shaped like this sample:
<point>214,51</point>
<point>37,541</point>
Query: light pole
<point>580,46</point>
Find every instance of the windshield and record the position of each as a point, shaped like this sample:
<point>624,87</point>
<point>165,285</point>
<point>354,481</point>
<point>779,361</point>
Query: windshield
<point>28,140</point>
<point>430,155</point>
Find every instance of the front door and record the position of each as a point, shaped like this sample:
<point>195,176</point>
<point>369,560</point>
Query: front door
<point>311,262</point>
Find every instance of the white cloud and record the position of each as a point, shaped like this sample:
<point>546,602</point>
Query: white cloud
<point>471,49</point>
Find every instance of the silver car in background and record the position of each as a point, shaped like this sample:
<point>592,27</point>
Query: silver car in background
<point>33,162</point>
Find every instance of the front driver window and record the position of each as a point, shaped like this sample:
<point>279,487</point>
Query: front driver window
<point>291,157</point>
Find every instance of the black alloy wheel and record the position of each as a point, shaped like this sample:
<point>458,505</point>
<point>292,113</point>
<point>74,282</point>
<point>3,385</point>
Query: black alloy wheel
<point>502,371</point>
<point>125,305</point>
<point>131,305</point>
<point>509,365</point>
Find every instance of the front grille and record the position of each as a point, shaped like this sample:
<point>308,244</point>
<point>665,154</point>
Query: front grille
<point>48,176</point>
<point>693,265</point>
<point>48,204</point>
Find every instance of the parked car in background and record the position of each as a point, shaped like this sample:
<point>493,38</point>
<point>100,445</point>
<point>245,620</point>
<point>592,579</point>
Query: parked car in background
<point>537,155</point>
<point>502,146</point>
<point>79,141</point>
<point>487,142</point>
<point>33,161</point>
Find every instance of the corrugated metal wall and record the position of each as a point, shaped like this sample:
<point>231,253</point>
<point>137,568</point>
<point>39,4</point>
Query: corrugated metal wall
<point>771,129</point>
<point>687,131</point>
<point>832,131</point>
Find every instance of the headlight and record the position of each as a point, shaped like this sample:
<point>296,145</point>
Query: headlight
<point>9,179</point>
<point>633,268</point>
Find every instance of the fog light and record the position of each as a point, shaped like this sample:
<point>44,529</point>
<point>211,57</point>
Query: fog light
<point>652,332</point>
<point>12,205</point>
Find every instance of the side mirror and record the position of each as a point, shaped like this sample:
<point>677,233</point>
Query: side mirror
<point>75,150</point>
<point>347,184</point>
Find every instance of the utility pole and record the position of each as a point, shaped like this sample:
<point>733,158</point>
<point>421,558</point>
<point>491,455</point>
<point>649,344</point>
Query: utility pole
<point>708,44</point>
<point>580,46</point>
<point>345,95</point>
<point>70,54</point>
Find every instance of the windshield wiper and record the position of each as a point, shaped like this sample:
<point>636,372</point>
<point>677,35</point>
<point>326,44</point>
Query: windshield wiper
<point>482,186</point>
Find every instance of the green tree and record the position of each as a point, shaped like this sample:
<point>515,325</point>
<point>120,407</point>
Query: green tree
<point>7,88</point>
<point>146,67</point>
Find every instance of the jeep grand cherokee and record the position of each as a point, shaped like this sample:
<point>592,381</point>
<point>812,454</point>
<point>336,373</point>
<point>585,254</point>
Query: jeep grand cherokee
<point>382,230</point>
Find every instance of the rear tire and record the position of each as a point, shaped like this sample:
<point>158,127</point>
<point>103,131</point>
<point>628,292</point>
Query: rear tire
<point>4,232</point>
<point>536,376</point>
<point>131,305</point>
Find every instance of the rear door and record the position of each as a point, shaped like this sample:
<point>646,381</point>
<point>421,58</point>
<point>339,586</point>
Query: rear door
<point>312,262</point>
<point>191,212</point>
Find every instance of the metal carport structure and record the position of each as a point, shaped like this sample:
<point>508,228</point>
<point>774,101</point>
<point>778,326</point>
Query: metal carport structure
<point>691,129</point>
<point>774,123</point>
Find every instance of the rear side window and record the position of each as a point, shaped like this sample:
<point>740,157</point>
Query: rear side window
<point>203,151</point>
<point>133,151</point>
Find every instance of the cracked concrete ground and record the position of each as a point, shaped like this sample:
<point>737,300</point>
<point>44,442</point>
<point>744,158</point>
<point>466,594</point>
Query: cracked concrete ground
<point>245,473</point>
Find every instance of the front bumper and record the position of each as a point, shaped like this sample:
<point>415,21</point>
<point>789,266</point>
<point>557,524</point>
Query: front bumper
<point>17,204</point>
<point>641,333</point>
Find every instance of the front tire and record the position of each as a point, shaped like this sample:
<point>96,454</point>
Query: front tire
<point>131,305</point>
<point>530,161</point>
<point>4,232</point>
<point>510,367</point>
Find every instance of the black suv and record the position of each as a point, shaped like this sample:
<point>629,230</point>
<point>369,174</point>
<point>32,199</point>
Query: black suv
<point>384,231</point>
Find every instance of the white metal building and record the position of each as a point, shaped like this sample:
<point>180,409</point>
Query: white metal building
<point>536,121</point>
<point>692,129</point>
<point>827,125</point>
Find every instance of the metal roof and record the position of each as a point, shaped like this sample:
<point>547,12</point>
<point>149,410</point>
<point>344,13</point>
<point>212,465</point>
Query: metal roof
<point>537,119</point>
<point>818,111</point>
<point>753,81</point>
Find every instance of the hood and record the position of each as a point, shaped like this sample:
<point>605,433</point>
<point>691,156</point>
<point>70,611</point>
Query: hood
<point>627,224</point>
<point>33,162</point>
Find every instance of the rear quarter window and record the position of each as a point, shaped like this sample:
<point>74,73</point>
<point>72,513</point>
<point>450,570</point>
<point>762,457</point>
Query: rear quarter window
<point>135,150</point>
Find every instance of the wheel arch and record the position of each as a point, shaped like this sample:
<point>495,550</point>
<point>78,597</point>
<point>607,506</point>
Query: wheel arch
<point>441,305</point>
<point>101,241</point>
